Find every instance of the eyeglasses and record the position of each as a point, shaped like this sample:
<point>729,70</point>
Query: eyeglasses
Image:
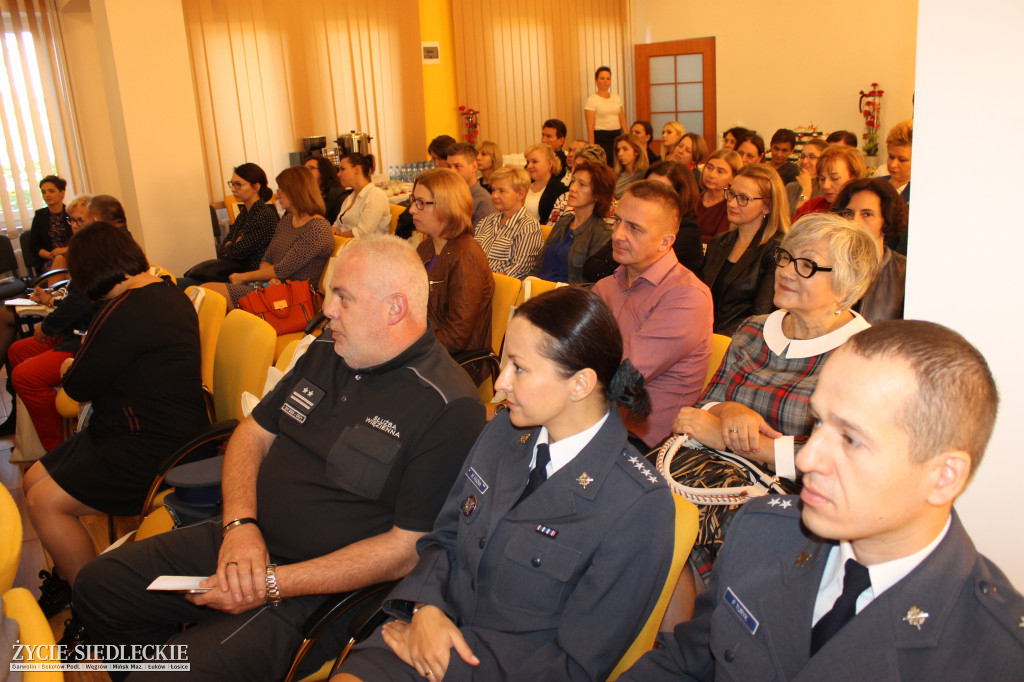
<point>420,204</point>
<point>741,199</point>
<point>805,267</point>
<point>234,184</point>
<point>844,213</point>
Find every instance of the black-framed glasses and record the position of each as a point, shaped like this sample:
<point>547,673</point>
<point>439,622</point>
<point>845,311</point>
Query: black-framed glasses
<point>805,267</point>
<point>234,184</point>
<point>420,204</point>
<point>741,199</point>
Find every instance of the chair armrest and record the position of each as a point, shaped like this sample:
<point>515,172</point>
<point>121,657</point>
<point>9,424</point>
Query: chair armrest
<point>339,604</point>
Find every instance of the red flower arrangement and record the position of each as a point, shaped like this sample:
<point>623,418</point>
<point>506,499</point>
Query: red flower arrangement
<point>870,106</point>
<point>471,122</point>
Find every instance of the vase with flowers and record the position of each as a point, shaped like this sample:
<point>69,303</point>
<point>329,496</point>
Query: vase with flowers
<point>471,123</point>
<point>870,106</point>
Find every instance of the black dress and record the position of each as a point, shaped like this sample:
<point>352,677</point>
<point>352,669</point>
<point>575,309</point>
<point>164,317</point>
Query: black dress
<point>140,366</point>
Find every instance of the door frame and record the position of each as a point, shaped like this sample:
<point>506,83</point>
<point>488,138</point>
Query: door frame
<point>703,46</point>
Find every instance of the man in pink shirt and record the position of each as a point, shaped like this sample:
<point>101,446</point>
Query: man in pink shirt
<point>664,311</point>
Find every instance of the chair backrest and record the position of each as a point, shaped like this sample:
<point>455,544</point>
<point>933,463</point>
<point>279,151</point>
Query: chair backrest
<point>245,348</point>
<point>161,271</point>
<point>340,243</point>
<point>211,312</point>
<point>535,286</point>
<point>29,253</point>
<point>506,291</point>
<point>8,261</point>
<point>33,631</point>
<point>10,539</point>
<point>325,277</point>
<point>545,230</point>
<point>232,204</point>
<point>396,211</point>
<point>686,534</point>
<point>719,347</point>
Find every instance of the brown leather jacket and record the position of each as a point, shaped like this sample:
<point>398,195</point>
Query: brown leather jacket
<point>461,289</point>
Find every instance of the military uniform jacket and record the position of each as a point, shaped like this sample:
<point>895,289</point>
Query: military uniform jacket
<point>754,621</point>
<point>557,587</point>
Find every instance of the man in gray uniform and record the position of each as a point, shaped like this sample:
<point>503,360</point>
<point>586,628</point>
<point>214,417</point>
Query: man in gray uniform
<point>880,580</point>
<point>327,486</point>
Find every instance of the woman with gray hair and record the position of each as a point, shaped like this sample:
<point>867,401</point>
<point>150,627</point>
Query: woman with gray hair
<point>757,403</point>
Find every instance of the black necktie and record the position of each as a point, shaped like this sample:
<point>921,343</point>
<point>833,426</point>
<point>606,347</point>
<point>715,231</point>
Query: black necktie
<point>856,580</point>
<point>539,473</point>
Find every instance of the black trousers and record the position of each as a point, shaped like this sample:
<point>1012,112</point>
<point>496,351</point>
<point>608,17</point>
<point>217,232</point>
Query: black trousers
<point>111,600</point>
<point>606,140</point>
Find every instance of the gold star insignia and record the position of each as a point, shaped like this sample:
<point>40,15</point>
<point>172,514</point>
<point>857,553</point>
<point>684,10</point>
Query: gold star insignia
<point>802,559</point>
<point>526,437</point>
<point>584,480</point>
<point>916,617</point>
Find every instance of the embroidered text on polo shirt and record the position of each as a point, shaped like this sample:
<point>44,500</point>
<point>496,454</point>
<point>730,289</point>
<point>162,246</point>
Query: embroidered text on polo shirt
<point>383,425</point>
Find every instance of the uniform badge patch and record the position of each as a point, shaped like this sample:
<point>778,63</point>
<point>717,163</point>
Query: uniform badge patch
<point>741,611</point>
<point>478,482</point>
<point>303,398</point>
<point>469,505</point>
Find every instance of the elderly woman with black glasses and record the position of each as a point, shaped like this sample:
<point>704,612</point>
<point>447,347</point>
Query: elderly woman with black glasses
<point>738,265</point>
<point>757,403</point>
<point>822,268</point>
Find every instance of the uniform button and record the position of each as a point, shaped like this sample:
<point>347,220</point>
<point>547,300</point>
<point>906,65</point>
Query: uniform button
<point>483,541</point>
<point>535,561</point>
<point>985,587</point>
<point>730,655</point>
<point>344,398</point>
<point>358,377</point>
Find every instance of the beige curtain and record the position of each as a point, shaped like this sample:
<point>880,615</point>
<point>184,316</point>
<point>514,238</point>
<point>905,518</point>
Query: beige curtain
<point>270,72</point>
<point>35,119</point>
<point>523,62</point>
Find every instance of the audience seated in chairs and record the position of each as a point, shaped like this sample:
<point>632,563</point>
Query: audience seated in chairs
<point>562,599</point>
<point>140,367</point>
<point>544,169</point>
<point>327,485</point>
<point>837,165</point>
<point>712,211</point>
<point>301,245</point>
<point>461,285</point>
<point>366,210</point>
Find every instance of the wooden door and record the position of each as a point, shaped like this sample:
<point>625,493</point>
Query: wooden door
<point>675,81</point>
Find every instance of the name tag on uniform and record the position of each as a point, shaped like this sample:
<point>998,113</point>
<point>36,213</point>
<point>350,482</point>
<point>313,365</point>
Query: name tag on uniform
<point>741,610</point>
<point>478,482</point>
<point>301,401</point>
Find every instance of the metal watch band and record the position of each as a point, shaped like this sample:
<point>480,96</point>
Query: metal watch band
<point>234,524</point>
<point>273,593</point>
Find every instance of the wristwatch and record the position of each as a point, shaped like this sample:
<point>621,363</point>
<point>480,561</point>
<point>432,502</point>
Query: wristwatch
<point>273,593</point>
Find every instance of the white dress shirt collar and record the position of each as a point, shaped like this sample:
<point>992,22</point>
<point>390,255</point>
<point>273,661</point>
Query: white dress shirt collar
<point>565,450</point>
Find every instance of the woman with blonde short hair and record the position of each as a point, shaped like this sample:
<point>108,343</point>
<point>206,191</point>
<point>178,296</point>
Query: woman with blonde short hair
<point>671,133</point>
<point>509,237</point>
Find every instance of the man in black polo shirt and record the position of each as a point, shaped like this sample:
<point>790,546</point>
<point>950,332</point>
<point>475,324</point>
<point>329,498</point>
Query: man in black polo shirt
<point>327,486</point>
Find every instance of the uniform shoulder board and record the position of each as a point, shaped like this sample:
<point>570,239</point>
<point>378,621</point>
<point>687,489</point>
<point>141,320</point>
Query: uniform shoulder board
<point>640,469</point>
<point>996,594</point>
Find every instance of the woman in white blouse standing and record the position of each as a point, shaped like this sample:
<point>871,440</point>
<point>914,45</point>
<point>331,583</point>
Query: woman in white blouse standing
<point>606,119</point>
<point>365,211</point>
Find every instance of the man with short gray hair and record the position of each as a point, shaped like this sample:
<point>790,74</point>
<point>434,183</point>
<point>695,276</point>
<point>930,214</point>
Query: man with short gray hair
<point>327,486</point>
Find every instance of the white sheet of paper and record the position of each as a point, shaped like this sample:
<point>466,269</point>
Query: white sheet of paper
<point>188,584</point>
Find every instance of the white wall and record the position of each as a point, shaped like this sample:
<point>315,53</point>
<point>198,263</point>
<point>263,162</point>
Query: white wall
<point>790,63</point>
<point>965,238</point>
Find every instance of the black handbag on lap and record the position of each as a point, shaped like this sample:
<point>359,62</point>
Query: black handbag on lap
<point>214,270</point>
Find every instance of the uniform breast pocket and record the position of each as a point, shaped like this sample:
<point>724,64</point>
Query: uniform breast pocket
<point>536,574</point>
<point>360,460</point>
